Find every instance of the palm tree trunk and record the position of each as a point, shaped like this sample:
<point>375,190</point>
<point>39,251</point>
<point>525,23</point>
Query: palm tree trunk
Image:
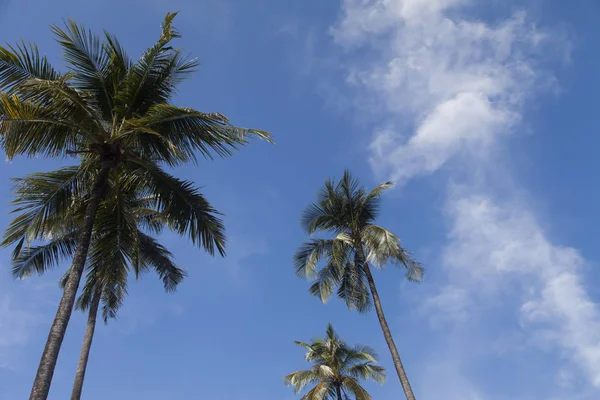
<point>86,346</point>
<point>43,378</point>
<point>339,393</point>
<point>387,334</point>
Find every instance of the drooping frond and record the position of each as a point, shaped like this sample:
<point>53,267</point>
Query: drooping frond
<point>318,392</point>
<point>309,254</point>
<point>327,279</point>
<point>185,208</point>
<point>300,379</point>
<point>45,202</point>
<point>383,246</point>
<point>38,259</point>
<point>353,287</point>
<point>356,389</point>
<point>156,256</point>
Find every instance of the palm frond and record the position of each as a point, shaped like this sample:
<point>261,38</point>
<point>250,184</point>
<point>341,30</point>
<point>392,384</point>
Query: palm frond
<point>327,279</point>
<point>368,370</point>
<point>384,246</point>
<point>318,392</point>
<point>353,288</point>
<point>356,389</point>
<point>38,259</point>
<point>20,63</point>
<point>147,80</point>
<point>155,255</point>
<point>186,209</point>
<point>45,201</point>
<point>378,190</point>
<point>175,134</point>
<point>35,129</point>
<point>89,62</point>
<point>308,255</point>
<point>300,379</point>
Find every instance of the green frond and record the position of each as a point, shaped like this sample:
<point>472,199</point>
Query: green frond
<point>90,60</point>
<point>327,279</point>
<point>356,389</point>
<point>44,203</point>
<point>369,371</point>
<point>113,295</point>
<point>34,129</point>
<point>378,190</point>
<point>186,210</point>
<point>383,246</point>
<point>70,105</point>
<point>304,345</point>
<point>156,256</point>
<point>20,63</point>
<point>318,392</point>
<point>38,259</point>
<point>175,134</point>
<point>309,254</point>
<point>361,353</point>
<point>152,79</point>
<point>353,288</point>
<point>300,379</point>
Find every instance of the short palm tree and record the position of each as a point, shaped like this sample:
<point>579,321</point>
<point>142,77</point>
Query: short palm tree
<point>348,211</point>
<point>121,241</point>
<point>115,115</point>
<point>337,369</point>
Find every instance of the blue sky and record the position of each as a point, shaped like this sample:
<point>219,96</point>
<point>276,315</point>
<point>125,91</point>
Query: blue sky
<point>484,114</point>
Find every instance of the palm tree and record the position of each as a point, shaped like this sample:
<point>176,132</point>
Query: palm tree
<point>337,369</point>
<point>347,210</point>
<point>119,243</point>
<point>116,115</point>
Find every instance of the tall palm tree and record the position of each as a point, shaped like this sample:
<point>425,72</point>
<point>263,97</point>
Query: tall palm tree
<point>348,211</point>
<point>337,369</point>
<point>121,241</point>
<point>113,113</point>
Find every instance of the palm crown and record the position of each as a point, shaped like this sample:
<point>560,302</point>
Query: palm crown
<point>337,369</point>
<point>121,240</point>
<point>106,106</point>
<point>348,210</point>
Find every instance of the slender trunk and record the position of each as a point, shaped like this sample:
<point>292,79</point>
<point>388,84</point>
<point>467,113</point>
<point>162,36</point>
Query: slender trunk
<point>86,346</point>
<point>43,378</point>
<point>339,392</point>
<point>386,332</point>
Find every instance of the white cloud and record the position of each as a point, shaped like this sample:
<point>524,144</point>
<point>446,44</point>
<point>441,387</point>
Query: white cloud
<point>459,83</point>
<point>446,89</point>
<point>494,248</point>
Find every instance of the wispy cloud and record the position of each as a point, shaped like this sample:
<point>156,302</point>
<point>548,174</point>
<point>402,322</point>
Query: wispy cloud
<point>449,91</point>
<point>456,84</point>
<point>499,254</point>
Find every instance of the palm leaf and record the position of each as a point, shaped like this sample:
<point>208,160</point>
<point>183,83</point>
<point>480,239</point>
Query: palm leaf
<point>20,63</point>
<point>38,259</point>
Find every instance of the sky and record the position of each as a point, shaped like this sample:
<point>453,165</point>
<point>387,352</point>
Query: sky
<point>481,111</point>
